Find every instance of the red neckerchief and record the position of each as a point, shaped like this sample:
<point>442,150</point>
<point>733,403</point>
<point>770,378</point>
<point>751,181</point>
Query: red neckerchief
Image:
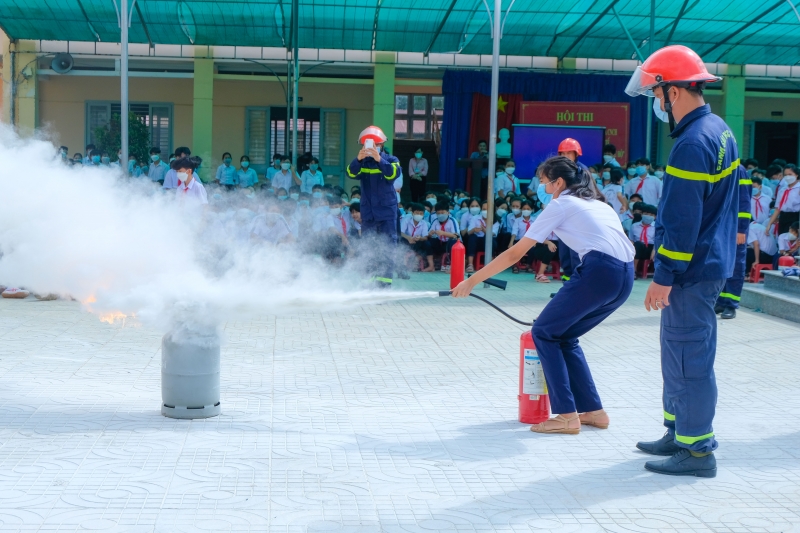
<point>644,234</point>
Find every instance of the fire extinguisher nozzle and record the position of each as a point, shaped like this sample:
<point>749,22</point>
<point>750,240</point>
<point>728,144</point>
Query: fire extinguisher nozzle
<point>445,293</point>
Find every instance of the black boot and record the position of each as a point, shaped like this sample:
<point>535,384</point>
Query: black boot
<point>684,463</point>
<point>729,312</point>
<point>718,309</point>
<point>663,446</point>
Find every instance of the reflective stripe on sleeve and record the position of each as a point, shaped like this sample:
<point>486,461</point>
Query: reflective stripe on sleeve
<point>702,176</point>
<point>678,256</point>
<point>350,173</point>
<point>746,181</point>
<point>395,166</point>
<point>745,215</point>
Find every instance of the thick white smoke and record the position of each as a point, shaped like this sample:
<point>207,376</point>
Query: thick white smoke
<point>120,245</point>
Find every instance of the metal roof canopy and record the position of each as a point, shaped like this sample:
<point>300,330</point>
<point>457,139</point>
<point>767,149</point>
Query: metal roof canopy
<point>736,31</point>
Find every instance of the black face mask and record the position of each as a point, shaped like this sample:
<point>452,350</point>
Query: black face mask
<point>637,217</point>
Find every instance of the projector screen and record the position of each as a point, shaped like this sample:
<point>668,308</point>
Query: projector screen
<point>533,144</point>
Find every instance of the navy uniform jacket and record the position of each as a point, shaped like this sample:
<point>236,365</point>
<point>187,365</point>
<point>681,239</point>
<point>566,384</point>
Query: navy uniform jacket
<point>697,224</point>
<point>378,198</point>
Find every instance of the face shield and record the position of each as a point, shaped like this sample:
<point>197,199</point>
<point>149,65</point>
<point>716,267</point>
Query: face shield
<point>641,83</point>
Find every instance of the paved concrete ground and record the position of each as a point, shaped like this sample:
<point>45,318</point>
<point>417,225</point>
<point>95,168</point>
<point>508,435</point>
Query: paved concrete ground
<point>399,417</point>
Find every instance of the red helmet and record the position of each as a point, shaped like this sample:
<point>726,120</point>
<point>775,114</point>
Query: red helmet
<point>374,133</point>
<point>570,145</point>
<point>674,65</point>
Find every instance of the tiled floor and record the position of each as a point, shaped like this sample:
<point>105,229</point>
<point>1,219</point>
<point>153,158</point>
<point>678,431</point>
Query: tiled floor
<point>398,417</point>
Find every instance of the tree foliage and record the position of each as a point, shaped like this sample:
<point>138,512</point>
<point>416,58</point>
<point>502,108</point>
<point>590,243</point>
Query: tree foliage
<point>108,137</point>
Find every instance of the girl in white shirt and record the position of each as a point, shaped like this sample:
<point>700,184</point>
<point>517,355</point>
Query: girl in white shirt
<point>311,177</point>
<point>613,192</point>
<point>598,286</point>
<point>787,200</point>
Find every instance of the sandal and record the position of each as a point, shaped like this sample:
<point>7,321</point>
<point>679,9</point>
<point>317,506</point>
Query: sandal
<point>470,269</point>
<point>540,428</point>
<point>541,278</point>
<point>515,270</point>
<point>590,419</point>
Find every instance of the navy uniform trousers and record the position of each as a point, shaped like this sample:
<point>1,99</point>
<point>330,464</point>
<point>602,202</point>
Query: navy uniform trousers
<point>380,260</point>
<point>597,287</point>
<point>688,348</point>
<point>732,291</point>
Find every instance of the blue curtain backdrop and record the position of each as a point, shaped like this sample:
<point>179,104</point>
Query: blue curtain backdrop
<point>458,87</point>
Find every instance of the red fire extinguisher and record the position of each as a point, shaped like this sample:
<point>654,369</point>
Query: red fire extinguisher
<point>534,403</point>
<point>457,254</point>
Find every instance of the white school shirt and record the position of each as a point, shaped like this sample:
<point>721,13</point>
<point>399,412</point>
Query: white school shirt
<point>308,180</point>
<point>465,218</point>
<point>766,190</point>
<point>759,208</point>
<point>503,182</point>
<point>192,195</point>
<point>521,227</point>
<point>610,192</point>
<point>784,243</point>
<point>766,242</point>
<point>508,223</point>
<point>282,180</point>
<point>336,222</point>
<point>227,175</point>
<point>584,226</point>
<point>415,229</point>
<point>247,178</point>
<point>480,222</point>
<point>650,189</point>
<point>171,179</point>
<point>449,226</point>
<point>157,170</point>
<point>645,234</point>
<point>275,233</point>
<point>788,198</point>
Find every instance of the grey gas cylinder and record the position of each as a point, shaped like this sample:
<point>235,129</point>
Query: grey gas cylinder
<point>190,369</point>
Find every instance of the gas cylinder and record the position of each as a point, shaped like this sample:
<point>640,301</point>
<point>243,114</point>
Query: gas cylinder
<point>534,403</point>
<point>457,254</point>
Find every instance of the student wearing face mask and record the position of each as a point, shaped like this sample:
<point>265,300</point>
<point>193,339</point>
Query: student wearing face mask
<point>415,232</point>
<point>609,155</point>
<point>275,166</point>
<point>613,192</point>
<point>659,173</point>
<point>88,159</point>
<point>281,193</point>
<point>246,176</point>
<point>605,175</point>
<point>77,159</point>
<point>630,172</point>
<point>787,242</point>
<point>226,173</point>
<point>759,202</point>
<point>514,212</point>
<point>418,170</point>
<point>158,169</point>
<point>774,174</point>
<point>476,232</point>
<point>643,235</point>
<point>270,225</point>
<point>286,176</point>
<point>600,284</point>
<point>312,176</point>
<point>431,199</point>
<point>544,251</point>
<point>500,215</point>
<point>643,183</point>
<point>787,201</point>
<point>505,182</point>
<point>633,214</point>
<point>473,209</point>
<point>444,232</point>
<point>190,192</point>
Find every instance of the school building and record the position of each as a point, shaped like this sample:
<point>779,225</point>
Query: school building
<point>213,76</point>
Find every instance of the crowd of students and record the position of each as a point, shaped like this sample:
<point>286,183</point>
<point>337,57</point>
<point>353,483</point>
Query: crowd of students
<point>297,206</point>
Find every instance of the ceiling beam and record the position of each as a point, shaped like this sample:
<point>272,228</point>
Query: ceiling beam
<point>144,26</point>
<point>730,36</point>
<point>440,27</point>
<point>587,30</point>
<point>677,20</point>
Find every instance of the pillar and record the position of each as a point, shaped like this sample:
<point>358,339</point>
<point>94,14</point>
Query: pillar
<point>383,95</point>
<point>733,88</point>
<point>27,116</point>
<point>5,99</point>
<point>202,114</point>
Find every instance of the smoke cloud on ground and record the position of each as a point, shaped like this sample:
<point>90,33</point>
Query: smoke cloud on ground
<point>121,245</point>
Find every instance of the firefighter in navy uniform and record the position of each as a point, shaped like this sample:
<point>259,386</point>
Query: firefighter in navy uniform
<point>728,301</point>
<point>377,170</point>
<point>695,253</point>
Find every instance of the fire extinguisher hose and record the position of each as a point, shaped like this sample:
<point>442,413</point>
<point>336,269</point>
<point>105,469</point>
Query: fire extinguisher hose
<point>487,302</point>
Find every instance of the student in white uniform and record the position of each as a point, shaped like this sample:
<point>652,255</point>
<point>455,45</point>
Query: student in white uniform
<point>444,232</point>
<point>414,232</point>
<point>286,176</point>
<point>473,210</point>
<point>643,235</point>
<point>613,192</point>
<point>190,193</point>
<point>787,200</point>
<point>312,176</point>
<point>270,225</point>
<point>505,182</point>
<point>476,234</point>
<point>158,169</point>
<point>787,242</point>
<point>247,176</point>
<point>598,286</point>
<point>761,246</point>
<point>648,186</point>
<point>544,251</point>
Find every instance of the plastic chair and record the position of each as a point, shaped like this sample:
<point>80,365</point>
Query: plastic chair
<point>645,273</point>
<point>555,270</point>
<point>755,271</point>
<point>479,260</point>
